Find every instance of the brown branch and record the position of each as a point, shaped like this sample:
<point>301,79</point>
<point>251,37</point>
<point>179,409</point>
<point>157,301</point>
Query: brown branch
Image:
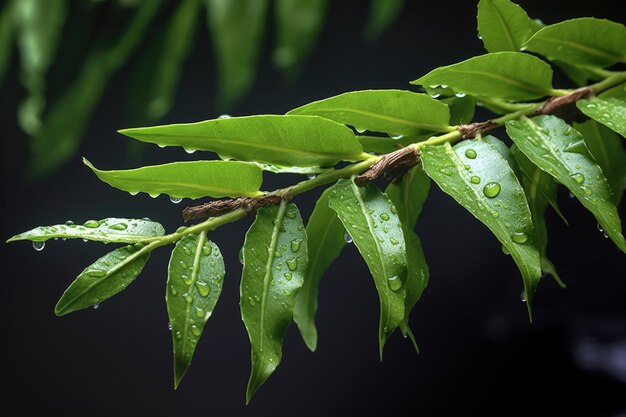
<point>472,130</point>
<point>564,107</point>
<point>219,207</point>
<point>392,165</point>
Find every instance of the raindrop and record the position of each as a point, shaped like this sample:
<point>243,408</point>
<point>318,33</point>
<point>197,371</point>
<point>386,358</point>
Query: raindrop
<point>470,153</point>
<point>394,210</point>
<point>396,137</point>
<point>287,292</point>
<point>347,238</point>
<point>178,335</point>
<point>475,180</point>
<point>576,147</point>
<point>523,297</point>
<point>169,326</point>
<point>97,273</point>
<point>491,189</point>
<point>292,264</point>
<point>195,330</point>
<point>118,226</point>
<point>199,312</point>
<point>69,223</point>
<point>393,241</point>
<point>187,279</point>
<point>587,190</point>
<point>206,251</point>
<point>175,200</point>
<point>38,246</point>
<point>189,151</point>
<point>394,283</point>
<point>447,171</point>
<point>311,176</point>
<point>360,129</point>
<point>91,224</point>
<point>578,177</point>
<point>288,276</point>
<point>277,254</point>
<point>182,265</point>
<point>251,301</point>
<point>224,116</point>
<point>188,298</point>
<point>567,131</point>
<point>295,245</point>
<point>384,216</point>
<point>519,237</point>
<point>187,251</point>
<point>479,36</point>
<point>241,255</point>
<point>460,95</point>
<point>291,214</point>
<point>95,306</point>
<point>505,250</point>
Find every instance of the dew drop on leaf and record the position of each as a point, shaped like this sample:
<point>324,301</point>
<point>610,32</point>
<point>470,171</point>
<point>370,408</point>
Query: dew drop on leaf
<point>475,180</point>
<point>69,223</point>
<point>491,189</point>
<point>347,238</point>
<point>292,264</point>
<point>175,200</point>
<point>288,276</point>
<point>38,246</point>
<point>119,226</point>
<point>394,283</point>
<point>295,245</point>
<point>91,224</point>
<point>95,306</point>
<point>203,288</point>
<point>519,237</point>
<point>224,116</point>
<point>384,216</point>
<point>523,296</point>
<point>578,177</point>
<point>470,153</point>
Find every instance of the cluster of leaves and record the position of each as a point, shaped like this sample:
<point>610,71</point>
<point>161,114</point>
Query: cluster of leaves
<point>506,188</point>
<point>168,30</point>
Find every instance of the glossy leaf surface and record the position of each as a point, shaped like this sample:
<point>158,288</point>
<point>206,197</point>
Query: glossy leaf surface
<point>560,150</point>
<point>103,279</point>
<point>194,284</point>
<point>274,263</point>
<point>611,112</point>
<point>490,191</point>
<point>369,218</point>
<point>326,239</point>
<point>106,230</point>
<point>504,75</point>
<point>504,25</point>
<point>193,179</point>
<point>279,140</point>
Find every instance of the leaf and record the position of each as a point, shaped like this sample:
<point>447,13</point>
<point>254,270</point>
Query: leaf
<point>298,25</point>
<point>540,189</point>
<point>274,263</point>
<point>158,72</point>
<point>611,112</point>
<point>408,196</point>
<point>503,25</point>
<point>237,28</point>
<point>461,108</point>
<point>505,75</point>
<point>556,148</point>
<point>39,25</point>
<point>580,75</point>
<point>194,284</point>
<point>585,41</point>
<point>278,140</point>
<point>491,192</point>
<point>382,14</point>
<point>67,119</point>
<point>395,112</point>
<point>193,179</point>
<point>103,279</point>
<point>7,29</point>
<point>367,215</point>
<point>325,240</point>
<point>607,149</point>
<point>106,230</point>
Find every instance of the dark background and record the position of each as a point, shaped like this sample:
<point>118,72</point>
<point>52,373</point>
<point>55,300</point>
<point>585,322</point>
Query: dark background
<point>479,355</point>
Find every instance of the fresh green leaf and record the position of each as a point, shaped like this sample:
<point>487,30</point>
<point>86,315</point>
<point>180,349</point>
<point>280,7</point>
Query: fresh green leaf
<point>490,191</point>
<point>382,14</point>
<point>193,179</point>
<point>461,108</point>
<point>194,284</point>
<point>608,151</point>
<point>611,112</point>
<point>408,197</point>
<point>368,216</point>
<point>540,189</point>
<point>275,261</point>
<point>505,75</point>
<point>503,25</point>
<point>585,41</point>
<point>237,29</point>
<point>103,279</point>
<point>298,25</point>
<point>395,112</point>
<point>279,140</point>
<point>326,240</point>
<point>106,230</point>
<point>580,75</point>
<point>560,150</point>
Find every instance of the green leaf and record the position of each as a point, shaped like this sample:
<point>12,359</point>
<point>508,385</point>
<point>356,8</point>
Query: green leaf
<point>106,230</point>
<point>490,191</point>
<point>369,218</point>
<point>298,25</point>
<point>7,29</point>
<point>278,140</point>
<point>67,119</point>
<point>194,284</point>
<point>586,41</point>
<point>580,75</point>
<point>608,151</point>
<point>382,14</point>
<point>154,83</point>
<point>503,25</point>
<point>408,197</point>
<point>505,75</point>
<point>326,240</point>
<point>461,108</point>
<point>611,112</point>
<point>39,25</point>
<point>560,150</point>
<point>193,179</point>
<point>237,28</point>
<point>395,112</point>
<point>540,189</point>
<point>274,264</point>
<point>103,279</point>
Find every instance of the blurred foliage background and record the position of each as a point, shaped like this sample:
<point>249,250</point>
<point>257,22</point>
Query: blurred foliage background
<point>64,67</point>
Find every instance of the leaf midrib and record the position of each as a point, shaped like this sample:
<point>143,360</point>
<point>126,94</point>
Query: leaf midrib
<point>585,48</point>
<point>517,83</point>
<point>507,30</point>
<point>202,237</point>
<point>160,183</point>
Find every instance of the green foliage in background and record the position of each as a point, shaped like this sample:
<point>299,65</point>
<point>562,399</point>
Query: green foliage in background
<point>572,138</point>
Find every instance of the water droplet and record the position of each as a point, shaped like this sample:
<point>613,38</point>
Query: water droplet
<point>195,330</point>
<point>288,276</point>
<point>394,283</point>
<point>251,301</point>
<point>292,264</point>
<point>434,95</point>
<point>287,292</point>
<point>175,200</point>
<point>567,131</point>
<point>544,130</point>
<point>203,288</point>
<point>311,176</point>
<point>447,171</point>
<point>491,189</point>
<point>384,216</point>
<point>98,273</point>
<point>277,254</point>
<point>393,241</point>
<point>505,250</point>
<point>479,36</point>
<point>360,129</point>
<point>471,153</point>
<point>118,226</point>
<point>189,151</point>
<point>38,246</point>
<point>519,237</point>
<point>295,245</point>
<point>291,214</point>
<point>475,180</point>
<point>346,237</point>
<point>394,210</point>
<point>187,250</point>
<point>396,137</point>
<point>206,251</point>
<point>224,116</point>
<point>460,95</point>
<point>571,195</point>
<point>182,265</point>
<point>576,147</point>
<point>69,223</point>
<point>300,227</point>
<point>578,177</point>
<point>199,312</point>
<point>173,290</point>
<point>178,335</point>
<point>241,255</point>
<point>91,224</point>
<point>279,267</point>
<point>523,296</point>
<point>95,306</point>
<point>169,326</point>
<point>495,213</point>
<point>188,298</point>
